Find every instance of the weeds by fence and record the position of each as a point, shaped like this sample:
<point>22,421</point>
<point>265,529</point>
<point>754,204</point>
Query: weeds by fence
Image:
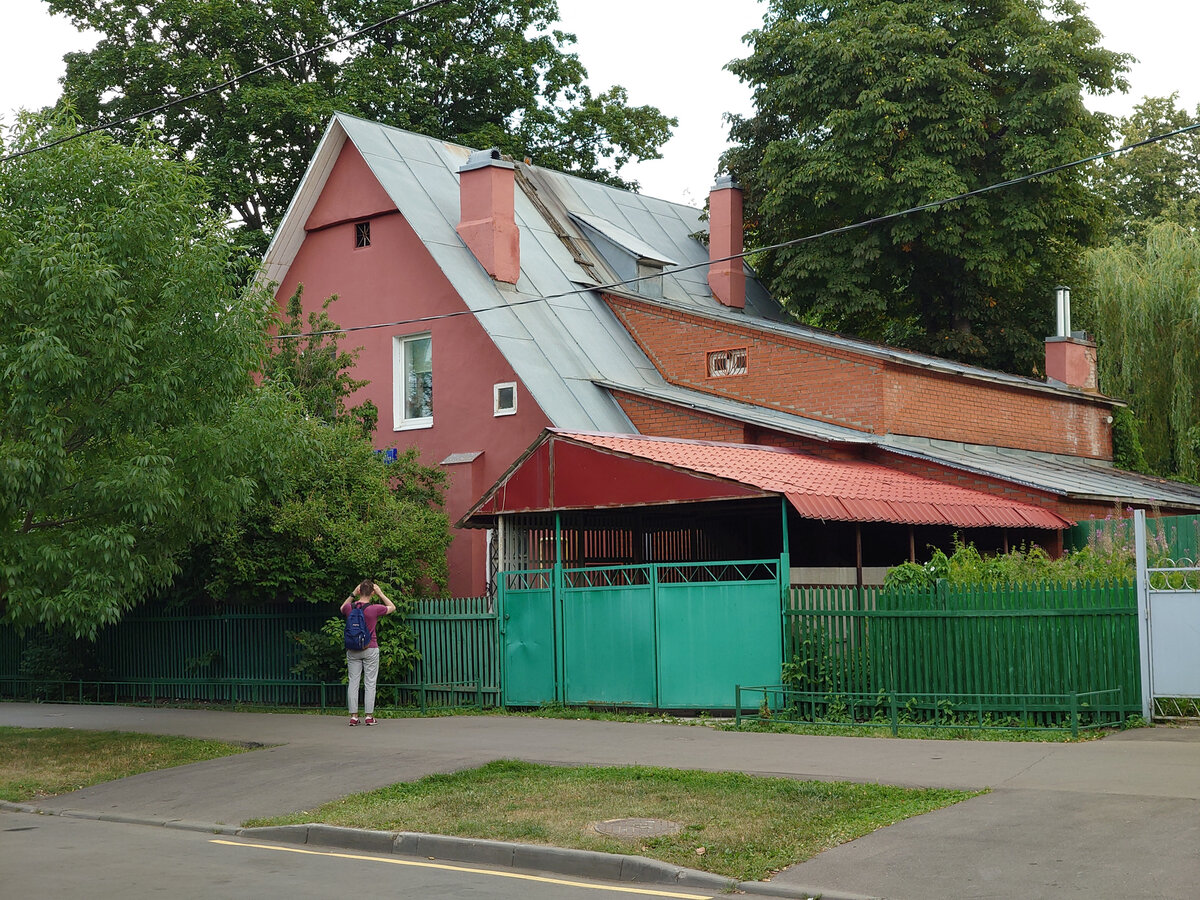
<point>1074,712</point>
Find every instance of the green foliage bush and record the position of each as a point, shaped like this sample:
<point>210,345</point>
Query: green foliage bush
<point>1104,558</point>
<point>51,656</point>
<point>323,655</point>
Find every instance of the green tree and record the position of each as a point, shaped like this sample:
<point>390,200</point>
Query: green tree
<point>1158,182</point>
<point>308,358</point>
<point>1145,300</point>
<point>481,72</point>
<point>128,427</point>
<point>340,510</point>
<point>865,108</point>
<point>344,513</point>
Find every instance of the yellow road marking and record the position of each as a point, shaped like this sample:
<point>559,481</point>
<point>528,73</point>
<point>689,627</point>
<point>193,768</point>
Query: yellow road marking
<point>474,871</point>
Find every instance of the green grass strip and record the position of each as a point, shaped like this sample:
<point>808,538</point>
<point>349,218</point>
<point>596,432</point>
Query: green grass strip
<point>741,826</point>
<point>42,762</point>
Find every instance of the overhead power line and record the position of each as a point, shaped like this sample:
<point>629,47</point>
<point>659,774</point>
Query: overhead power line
<point>232,82</point>
<point>865,223</point>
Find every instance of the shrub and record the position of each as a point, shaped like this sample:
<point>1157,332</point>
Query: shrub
<point>323,655</point>
<point>1104,558</point>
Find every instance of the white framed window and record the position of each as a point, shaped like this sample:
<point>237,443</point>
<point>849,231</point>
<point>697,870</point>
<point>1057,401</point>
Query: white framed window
<point>412,381</point>
<point>504,399</point>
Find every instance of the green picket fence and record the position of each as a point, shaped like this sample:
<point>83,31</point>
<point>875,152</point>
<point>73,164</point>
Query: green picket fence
<point>459,642</point>
<point>246,655</point>
<point>972,644</point>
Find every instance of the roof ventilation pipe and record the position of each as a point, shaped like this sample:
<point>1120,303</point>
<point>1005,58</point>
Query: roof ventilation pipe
<point>726,277</point>
<point>1070,356</point>
<point>488,222</point>
<point>1063,297</point>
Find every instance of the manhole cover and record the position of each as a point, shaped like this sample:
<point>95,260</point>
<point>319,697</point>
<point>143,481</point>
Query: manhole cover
<point>634,829</point>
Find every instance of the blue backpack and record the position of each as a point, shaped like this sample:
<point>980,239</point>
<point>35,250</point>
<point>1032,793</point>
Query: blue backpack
<point>356,635</point>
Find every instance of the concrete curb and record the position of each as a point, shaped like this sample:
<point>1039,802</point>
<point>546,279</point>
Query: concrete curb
<point>181,824</point>
<point>557,860</point>
<point>615,867</point>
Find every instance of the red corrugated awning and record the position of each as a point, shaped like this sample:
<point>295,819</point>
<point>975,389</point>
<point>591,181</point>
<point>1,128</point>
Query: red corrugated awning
<point>579,470</point>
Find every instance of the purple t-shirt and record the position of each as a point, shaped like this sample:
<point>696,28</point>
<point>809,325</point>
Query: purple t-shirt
<point>371,614</point>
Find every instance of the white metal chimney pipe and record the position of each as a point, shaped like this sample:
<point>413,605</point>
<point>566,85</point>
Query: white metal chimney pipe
<point>1063,295</point>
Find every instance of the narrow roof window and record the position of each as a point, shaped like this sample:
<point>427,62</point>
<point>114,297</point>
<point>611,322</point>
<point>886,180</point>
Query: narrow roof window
<point>362,234</point>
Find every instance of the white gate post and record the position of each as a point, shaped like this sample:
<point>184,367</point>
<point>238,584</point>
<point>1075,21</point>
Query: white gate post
<point>1143,602</point>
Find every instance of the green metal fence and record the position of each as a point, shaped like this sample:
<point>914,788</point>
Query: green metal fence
<point>460,652</point>
<point>246,655</point>
<point>992,645</point>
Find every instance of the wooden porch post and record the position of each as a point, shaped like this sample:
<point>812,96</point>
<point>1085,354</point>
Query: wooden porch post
<point>858,565</point>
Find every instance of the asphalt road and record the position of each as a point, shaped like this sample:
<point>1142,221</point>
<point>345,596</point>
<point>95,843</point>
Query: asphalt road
<point>1111,818</point>
<point>59,857</point>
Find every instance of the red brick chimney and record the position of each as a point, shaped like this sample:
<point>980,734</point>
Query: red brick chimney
<point>1070,356</point>
<point>488,223</point>
<point>727,279</point>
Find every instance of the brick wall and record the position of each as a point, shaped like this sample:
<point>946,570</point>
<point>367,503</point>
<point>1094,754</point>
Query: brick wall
<point>666,420</point>
<point>860,391</point>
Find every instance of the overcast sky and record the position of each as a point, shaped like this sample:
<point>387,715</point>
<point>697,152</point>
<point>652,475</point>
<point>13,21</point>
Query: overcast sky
<point>670,54</point>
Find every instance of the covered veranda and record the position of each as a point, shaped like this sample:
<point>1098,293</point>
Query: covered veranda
<point>643,571</point>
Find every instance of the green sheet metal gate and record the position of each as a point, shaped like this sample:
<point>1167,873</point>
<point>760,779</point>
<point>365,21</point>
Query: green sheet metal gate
<point>665,636</point>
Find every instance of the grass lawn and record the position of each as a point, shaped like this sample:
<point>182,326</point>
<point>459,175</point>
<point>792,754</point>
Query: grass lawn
<point>740,826</point>
<point>42,762</point>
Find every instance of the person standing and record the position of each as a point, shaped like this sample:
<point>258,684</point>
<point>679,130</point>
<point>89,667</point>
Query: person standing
<point>360,663</point>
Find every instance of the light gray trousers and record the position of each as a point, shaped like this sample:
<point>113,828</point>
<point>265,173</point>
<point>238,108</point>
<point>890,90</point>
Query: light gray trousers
<point>359,662</point>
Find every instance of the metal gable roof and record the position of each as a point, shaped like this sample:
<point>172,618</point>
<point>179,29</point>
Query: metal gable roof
<point>1067,476</point>
<point>849,491</point>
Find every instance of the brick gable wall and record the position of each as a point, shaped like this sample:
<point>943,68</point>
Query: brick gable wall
<point>666,420</point>
<point>860,391</point>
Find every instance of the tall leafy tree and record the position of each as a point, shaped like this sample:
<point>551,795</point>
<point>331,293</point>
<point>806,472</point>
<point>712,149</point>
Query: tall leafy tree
<point>344,512</point>
<point>309,359</point>
<point>340,509</point>
<point>128,427</point>
<point>864,108</point>
<point>1156,182</point>
<point>1145,298</point>
<point>481,72</point>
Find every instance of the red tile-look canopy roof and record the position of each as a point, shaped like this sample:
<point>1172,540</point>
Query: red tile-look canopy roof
<point>574,470</point>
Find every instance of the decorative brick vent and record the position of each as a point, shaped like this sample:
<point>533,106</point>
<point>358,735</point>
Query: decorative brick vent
<point>727,362</point>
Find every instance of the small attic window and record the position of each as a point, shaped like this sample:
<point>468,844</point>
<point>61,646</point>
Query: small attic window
<point>504,399</point>
<point>727,362</point>
<point>362,235</point>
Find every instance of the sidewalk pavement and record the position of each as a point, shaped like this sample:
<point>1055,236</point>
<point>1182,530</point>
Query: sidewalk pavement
<point>1112,818</point>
